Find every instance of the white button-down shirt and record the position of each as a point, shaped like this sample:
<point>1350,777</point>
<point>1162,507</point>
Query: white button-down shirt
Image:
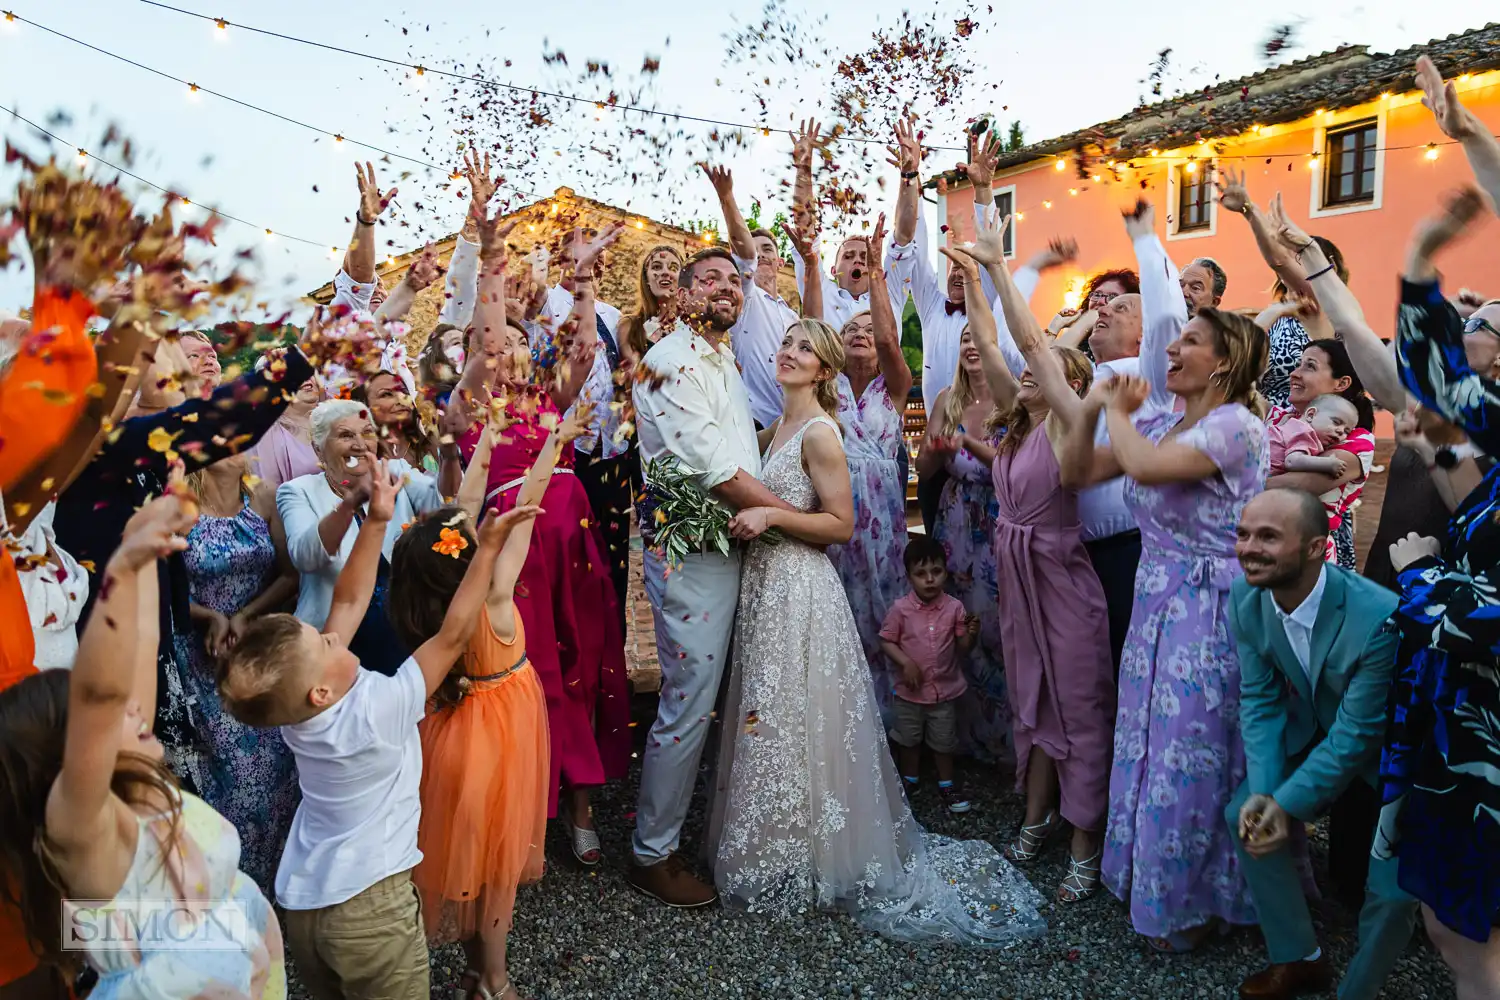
<point>1163,315</point>
<point>839,307</point>
<point>913,270</point>
<point>1101,507</point>
<point>461,285</point>
<point>756,338</point>
<point>599,388</point>
<point>1299,623</point>
<point>691,403</point>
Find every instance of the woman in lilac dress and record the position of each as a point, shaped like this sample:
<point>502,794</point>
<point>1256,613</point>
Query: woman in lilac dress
<point>1178,756</point>
<point>1054,627</point>
<point>874,378</point>
<point>965,525</point>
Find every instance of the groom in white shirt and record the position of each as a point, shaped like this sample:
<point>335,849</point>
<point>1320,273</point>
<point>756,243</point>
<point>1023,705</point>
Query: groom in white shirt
<point>691,404</point>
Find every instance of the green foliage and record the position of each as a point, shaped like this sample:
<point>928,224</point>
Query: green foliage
<point>259,340</point>
<point>911,339</point>
<point>753,220</point>
<point>687,520</point>
<point>1016,139</point>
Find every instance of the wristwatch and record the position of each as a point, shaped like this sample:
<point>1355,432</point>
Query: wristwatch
<point>1448,456</point>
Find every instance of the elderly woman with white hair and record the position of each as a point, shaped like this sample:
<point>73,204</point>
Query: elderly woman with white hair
<point>322,513</point>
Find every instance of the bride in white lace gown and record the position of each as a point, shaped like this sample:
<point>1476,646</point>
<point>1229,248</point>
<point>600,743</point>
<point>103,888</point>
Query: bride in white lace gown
<point>810,813</point>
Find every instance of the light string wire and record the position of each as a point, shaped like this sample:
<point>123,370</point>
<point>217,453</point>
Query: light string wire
<point>170,192</point>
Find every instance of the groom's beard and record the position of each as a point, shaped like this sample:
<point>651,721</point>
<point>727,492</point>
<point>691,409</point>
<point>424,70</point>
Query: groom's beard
<point>718,317</point>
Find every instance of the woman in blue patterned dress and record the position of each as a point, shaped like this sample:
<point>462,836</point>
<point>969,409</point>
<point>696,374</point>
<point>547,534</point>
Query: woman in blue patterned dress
<point>237,570</point>
<point>958,442</point>
<point>1441,763</point>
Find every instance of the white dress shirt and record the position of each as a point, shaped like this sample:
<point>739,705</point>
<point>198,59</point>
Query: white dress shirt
<point>756,338</point>
<point>599,388</point>
<point>839,307</point>
<point>1299,623</point>
<point>348,292</point>
<point>1163,315</point>
<point>360,765</point>
<point>1101,507</point>
<point>912,269</point>
<point>461,285</point>
<point>692,404</point>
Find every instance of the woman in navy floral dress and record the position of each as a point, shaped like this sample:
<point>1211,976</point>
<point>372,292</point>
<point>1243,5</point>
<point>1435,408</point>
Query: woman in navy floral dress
<point>1441,763</point>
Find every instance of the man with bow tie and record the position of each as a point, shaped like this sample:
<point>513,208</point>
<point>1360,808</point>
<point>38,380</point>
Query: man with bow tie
<point>940,306</point>
<point>1316,663</point>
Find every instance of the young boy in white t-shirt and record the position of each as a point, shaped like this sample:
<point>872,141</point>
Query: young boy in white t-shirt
<point>353,923</point>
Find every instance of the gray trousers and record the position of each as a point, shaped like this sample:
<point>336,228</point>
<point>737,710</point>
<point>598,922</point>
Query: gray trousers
<point>1385,921</point>
<point>693,608</point>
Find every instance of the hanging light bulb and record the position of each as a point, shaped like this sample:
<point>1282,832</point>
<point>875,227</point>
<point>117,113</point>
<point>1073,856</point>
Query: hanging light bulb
<point>1432,151</point>
<point>1060,165</point>
<point>1046,204</point>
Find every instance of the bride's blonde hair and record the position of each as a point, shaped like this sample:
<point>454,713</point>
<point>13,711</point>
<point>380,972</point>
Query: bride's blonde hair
<point>828,347</point>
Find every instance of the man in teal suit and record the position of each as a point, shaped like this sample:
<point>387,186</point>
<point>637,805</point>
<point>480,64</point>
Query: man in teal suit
<point>1316,662</point>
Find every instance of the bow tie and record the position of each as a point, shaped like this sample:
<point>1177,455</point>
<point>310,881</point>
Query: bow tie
<point>950,307</point>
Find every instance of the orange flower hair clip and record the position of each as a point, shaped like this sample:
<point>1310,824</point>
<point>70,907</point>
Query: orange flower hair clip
<point>450,542</point>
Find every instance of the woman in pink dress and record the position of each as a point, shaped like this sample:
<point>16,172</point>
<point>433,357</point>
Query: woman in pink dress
<point>1055,631</point>
<point>565,596</point>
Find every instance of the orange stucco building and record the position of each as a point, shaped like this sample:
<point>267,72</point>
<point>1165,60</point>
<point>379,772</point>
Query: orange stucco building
<point>1342,136</point>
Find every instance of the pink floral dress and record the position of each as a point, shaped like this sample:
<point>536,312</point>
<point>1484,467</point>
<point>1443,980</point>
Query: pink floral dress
<point>870,565</point>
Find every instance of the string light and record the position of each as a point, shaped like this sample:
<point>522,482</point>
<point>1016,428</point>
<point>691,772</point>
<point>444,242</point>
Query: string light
<point>1073,192</point>
<point>270,235</point>
<point>1046,204</point>
<point>337,137</point>
<point>333,253</point>
<point>84,155</point>
<point>221,24</point>
<point>1060,165</point>
<point>421,70</point>
<point>10,15</point>
<point>1191,166</point>
<point>639,224</point>
<point>1432,151</point>
<point>192,88</point>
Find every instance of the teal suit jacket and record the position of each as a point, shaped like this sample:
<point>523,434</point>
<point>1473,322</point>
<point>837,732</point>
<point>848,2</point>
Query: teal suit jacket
<point>1352,659</point>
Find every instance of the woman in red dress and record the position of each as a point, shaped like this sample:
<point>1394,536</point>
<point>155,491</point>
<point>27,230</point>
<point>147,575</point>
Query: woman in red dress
<point>565,596</point>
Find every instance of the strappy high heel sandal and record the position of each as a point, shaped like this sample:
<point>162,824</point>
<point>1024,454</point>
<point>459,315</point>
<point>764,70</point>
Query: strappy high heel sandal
<point>586,847</point>
<point>1082,880</point>
<point>1031,839</point>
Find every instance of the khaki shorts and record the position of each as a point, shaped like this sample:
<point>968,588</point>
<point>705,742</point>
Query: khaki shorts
<point>939,721</point>
<point>370,947</point>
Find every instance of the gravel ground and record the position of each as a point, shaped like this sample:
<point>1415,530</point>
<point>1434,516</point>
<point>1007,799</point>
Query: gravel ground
<point>580,935</point>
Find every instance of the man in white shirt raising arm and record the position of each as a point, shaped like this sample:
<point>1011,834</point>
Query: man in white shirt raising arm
<point>691,405</point>
<point>765,317</point>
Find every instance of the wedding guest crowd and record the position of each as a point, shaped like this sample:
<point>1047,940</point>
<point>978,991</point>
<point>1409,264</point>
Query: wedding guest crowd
<point>343,632</point>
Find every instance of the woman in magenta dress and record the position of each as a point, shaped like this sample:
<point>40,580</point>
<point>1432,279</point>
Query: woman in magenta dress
<point>1054,631</point>
<point>565,596</point>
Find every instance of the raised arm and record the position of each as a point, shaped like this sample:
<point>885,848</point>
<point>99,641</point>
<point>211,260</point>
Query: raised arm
<point>1373,361</point>
<point>436,656</point>
<point>1163,309</point>
<point>893,367</point>
<point>100,692</point>
<point>1045,367</point>
<point>423,272</point>
<point>359,259</point>
<point>489,308</point>
<point>806,245</point>
<point>833,522</point>
<point>356,582</point>
<point>1429,335</point>
<point>1147,463</point>
<point>734,223</point>
<point>906,157</point>
<point>983,331</point>
<point>1463,125</point>
<point>585,339</point>
<point>1234,197</point>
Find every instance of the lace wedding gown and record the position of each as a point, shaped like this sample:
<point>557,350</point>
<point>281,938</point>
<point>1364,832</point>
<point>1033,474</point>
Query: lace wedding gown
<point>812,813</point>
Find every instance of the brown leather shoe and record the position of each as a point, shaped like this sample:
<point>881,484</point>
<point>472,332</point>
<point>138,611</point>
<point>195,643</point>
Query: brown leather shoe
<point>1290,979</point>
<point>672,882</point>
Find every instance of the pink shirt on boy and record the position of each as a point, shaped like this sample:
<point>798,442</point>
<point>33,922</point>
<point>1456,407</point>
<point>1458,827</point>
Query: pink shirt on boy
<point>928,633</point>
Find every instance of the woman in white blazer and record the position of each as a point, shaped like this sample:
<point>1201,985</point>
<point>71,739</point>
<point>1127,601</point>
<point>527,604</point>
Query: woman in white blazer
<point>322,513</point>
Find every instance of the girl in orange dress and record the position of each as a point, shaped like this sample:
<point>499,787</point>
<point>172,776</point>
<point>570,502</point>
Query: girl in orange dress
<point>486,773</point>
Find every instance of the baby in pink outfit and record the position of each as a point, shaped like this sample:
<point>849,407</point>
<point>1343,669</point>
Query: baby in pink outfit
<point>1297,443</point>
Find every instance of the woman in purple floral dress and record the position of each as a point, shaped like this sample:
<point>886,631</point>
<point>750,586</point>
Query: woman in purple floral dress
<point>965,527</point>
<point>872,398</point>
<point>1178,756</point>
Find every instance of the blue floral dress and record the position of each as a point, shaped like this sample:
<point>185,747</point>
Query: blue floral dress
<point>1441,763</point>
<point>870,565</point>
<point>965,527</point>
<point>1178,755</point>
<point>247,774</point>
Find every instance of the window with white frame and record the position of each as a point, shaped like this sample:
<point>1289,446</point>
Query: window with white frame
<point>1348,164</point>
<point>1192,209</point>
<point>1005,204</point>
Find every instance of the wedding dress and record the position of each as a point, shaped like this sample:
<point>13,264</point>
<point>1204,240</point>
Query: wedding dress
<point>811,813</point>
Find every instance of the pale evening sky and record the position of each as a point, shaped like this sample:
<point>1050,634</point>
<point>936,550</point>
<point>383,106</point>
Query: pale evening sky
<point>1057,66</point>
